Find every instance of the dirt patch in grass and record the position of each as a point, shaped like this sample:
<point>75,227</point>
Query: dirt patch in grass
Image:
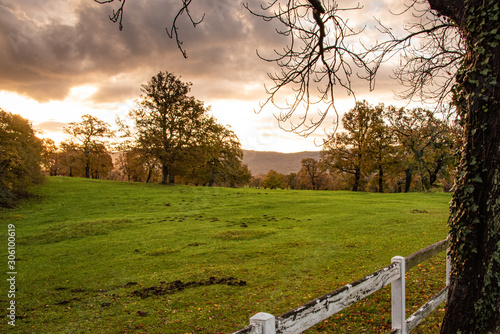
<point>162,251</point>
<point>418,211</point>
<point>241,235</point>
<point>172,287</point>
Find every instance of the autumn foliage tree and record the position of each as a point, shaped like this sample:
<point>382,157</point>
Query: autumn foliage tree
<point>426,143</point>
<point>138,165</point>
<point>51,162</point>
<point>177,131</point>
<point>273,180</point>
<point>70,160</point>
<point>381,148</point>
<point>21,158</point>
<point>87,145</point>
<point>349,151</point>
<point>166,121</point>
<point>218,158</point>
<point>311,174</point>
<point>389,143</point>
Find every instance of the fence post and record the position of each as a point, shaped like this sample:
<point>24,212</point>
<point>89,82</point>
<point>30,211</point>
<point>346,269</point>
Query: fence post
<point>266,321</point>
<point>398,307</point>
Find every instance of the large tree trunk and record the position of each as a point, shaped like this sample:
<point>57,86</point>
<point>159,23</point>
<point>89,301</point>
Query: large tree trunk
<point>408,178</point>
<point>167,177</point>
<point>87,170</point>
<point>380,179</point>
<point>473,304</point>
<point>357,177</point>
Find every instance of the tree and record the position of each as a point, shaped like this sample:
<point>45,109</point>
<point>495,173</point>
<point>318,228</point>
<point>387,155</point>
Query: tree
<point>101,162</point>
<point>380,146</point>
<point>177,132</point>
<point>168,123</point>
<point>138,165</point>
<point>273,180</point>
<point>456,57</point>
<point>348,151</point>
<point>311,173</point>
<point>88,137</point>
<point>218,158</point>
<point>70,159</point>
<point>256,181</point>
<point>291,181</point>
<point>20,158</point>
<point>51,154</point>
<point>426,143</point>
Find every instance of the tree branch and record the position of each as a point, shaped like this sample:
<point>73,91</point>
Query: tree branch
<point>118,15</point>
<point>316,57</point>
<point>173,31</point>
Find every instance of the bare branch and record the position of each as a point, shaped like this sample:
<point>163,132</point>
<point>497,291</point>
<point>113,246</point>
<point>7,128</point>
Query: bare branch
<point>316,58</point>
<point>117,15</point>
<point>320,55</point>
<point>173,31</point>
<point>431,54</point>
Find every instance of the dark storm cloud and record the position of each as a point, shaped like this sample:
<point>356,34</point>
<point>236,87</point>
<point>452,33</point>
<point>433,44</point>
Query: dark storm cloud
<point>44,55</point>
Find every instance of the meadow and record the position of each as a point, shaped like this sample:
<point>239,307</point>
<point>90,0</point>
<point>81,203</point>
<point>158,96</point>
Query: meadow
<point>115,257</point>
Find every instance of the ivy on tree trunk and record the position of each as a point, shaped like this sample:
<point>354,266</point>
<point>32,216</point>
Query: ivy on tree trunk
<point>473,304</point>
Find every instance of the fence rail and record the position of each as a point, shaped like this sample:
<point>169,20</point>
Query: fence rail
<point>319,309</point>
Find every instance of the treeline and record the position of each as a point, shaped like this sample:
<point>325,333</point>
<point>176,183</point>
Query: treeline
<point>169,137</point>
<point>381,149</point>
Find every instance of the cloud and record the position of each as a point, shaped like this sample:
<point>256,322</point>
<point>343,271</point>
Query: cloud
<point>45,55</point>
<point>49,47</point>
<point>52,126</point>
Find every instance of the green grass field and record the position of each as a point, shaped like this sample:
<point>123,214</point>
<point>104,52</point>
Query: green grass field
<point>116,257</point>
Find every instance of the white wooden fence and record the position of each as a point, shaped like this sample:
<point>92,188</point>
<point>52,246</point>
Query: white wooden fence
<point>319,309</point>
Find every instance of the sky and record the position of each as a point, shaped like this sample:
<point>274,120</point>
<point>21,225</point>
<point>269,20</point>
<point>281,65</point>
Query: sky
<point>60,60</point>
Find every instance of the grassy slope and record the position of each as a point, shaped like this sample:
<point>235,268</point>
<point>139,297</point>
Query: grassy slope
<point>84,244</point>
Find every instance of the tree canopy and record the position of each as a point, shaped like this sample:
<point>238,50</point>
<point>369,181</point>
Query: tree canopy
<point>175,131</point>
<point>391,142</point>
<point>273,180</point>
<point>87,145</point>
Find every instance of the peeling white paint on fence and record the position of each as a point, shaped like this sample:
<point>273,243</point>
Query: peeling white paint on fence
<point>319,309</point>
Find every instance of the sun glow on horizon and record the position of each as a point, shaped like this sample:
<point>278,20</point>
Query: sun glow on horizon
<point>50,117</point>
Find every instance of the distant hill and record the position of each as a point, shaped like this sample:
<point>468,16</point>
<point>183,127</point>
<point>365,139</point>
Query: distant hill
<point>260,163</point>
